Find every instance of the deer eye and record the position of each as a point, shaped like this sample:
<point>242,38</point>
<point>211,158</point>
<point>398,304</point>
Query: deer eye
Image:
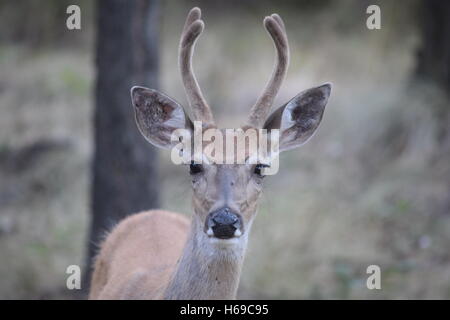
<point>195,168</point>
<point>258,169</point>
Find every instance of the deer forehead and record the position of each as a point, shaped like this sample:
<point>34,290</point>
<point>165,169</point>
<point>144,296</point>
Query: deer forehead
<point>239,146</point>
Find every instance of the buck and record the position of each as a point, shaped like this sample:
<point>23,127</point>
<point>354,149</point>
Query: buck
<point>162,255</point>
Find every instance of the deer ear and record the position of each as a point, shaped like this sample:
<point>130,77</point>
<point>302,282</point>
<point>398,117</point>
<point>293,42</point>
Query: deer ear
<point>299,118</point>
<point>158,116</point>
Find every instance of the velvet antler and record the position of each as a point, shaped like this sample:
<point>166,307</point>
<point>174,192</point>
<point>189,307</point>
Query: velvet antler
<point>275,27</point>
<point>191,31</point>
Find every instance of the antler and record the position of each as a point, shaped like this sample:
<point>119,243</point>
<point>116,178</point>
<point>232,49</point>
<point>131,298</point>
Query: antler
<point>275,27</point>
<point>191,31</point>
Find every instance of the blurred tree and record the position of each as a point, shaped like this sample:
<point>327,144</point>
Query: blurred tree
<point>125,177</point>
<point>434,55</point>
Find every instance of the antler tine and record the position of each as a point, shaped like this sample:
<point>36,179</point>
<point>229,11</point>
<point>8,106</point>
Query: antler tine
<point>191,31</point>
<point>275,27</point>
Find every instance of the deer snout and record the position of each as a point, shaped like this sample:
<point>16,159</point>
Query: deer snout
<point>223,224</point>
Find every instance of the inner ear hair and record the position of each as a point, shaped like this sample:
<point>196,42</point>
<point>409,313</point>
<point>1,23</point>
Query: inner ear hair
<point>157,116</point>
<point>298,119</point>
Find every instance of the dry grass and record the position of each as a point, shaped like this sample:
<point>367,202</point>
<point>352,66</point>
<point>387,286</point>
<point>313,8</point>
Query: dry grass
<point>372,187</point>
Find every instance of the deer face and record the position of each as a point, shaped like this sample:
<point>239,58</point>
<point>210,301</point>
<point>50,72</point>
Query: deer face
<point>225,196</point>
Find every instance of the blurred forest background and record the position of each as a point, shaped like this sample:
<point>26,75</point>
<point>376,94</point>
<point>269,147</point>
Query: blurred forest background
<point>371,187</point>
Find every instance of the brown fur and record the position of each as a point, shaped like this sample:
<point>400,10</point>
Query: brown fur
<point>138,257</point>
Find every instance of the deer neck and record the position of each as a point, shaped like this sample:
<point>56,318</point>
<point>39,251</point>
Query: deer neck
<point>207,270</point>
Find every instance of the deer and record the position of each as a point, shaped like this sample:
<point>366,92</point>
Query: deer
<point>159,254</point>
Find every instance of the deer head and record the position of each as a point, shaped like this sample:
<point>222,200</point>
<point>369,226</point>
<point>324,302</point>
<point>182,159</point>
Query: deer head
<point>225,196</point>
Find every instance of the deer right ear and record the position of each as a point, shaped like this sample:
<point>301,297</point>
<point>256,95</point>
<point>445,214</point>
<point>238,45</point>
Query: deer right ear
<point>158,116</point>
<point>299,118</point>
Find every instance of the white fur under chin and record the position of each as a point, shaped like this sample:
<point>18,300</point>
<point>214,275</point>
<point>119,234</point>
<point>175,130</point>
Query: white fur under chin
<point>222,243</point>
<point>222,249</point>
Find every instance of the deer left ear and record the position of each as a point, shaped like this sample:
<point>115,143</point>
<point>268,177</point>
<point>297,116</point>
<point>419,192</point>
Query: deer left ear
<point>158,116</point>
<point>299,118</point>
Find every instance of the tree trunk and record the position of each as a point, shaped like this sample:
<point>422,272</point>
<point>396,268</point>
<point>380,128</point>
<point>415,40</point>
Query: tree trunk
<point>434,55</point>
<point>125,179</point>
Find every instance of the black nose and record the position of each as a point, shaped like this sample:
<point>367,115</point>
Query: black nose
<point>223,223</point>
